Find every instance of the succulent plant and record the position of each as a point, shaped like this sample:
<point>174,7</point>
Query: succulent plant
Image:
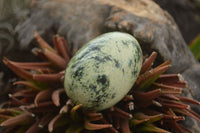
<point>38,102</point>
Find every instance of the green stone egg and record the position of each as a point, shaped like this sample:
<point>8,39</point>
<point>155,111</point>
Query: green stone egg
<point>103,71</point>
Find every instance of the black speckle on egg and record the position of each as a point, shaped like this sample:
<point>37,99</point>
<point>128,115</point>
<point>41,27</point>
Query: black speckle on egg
<point>130,63</point>
<point>123,71</point>
<point>133,43</point>
<point>93,87</point>
<point>134,73</point>
<point>78,74</point>
<point>102,79</point>
<point>117,65</point>
<point>102,60</point>
<point>126,43</point>
<point>138,54</point>
<point>96,48</point>
<point>113,95</point>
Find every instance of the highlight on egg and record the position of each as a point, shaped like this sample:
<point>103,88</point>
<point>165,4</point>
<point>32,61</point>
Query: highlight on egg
<point>103,71</point>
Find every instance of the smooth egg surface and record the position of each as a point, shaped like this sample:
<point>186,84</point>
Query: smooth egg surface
<point>103,71</point>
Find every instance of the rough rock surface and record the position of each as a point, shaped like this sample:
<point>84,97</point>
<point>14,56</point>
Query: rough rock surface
<point>186,13</point>
<point>82,20</point>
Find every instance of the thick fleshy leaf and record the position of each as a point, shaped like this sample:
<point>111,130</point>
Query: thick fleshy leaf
<point>32,65</point>
<point>28,84</point>
<point>22,119</point>
<point>59,121</point>
<point>34,128</point>
<point>90,126</point>
<point>93,116</point>
<point>17,70</point>
<point>151,129</point>
<point>61,47</point>
<point>43,95</point>
<point>48,78</point>
<point>43,44</point>
<point>148,63</point>
<point>44,121</point>
<point>56,96</point>
<point>124,126</point>
<point>146,79</point>
<point>57,60</point>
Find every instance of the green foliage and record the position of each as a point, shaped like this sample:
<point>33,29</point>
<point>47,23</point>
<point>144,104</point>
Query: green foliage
<point>195,47</point>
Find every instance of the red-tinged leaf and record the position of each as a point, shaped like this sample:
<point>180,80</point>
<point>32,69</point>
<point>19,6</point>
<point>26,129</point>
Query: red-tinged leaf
<point>149,77</point>
<point>167,87</point>
<point>32,66</point>
<point>48,78</point>
<point>66,107</point>
<point>10,111</point>
<point>181,84</point>
<point>43,44</point>
<point>52,122</point>
<point>175,80</point>
<point>43,95</point>
<point>61,48</point>
<point>166,63</point>
<point>188,100</point>
<point>148,118</point>
<point>168,78</point>
<point>44,121</point>
<point>148,63</point>
<point>66,47</point>
<point>124,126</point>
<point>178,127</point>
<point>22,119</point>
<point>34,128</point>
<point>172,92</point>
<point>25,93</point>
<point>170,96</point>
<point>39,53</point>
<point>194,114</point>
<point>4,116</point>
<point>28,84</point>
<point>57,60</point>
<point>42,107</point>
<point>172,117</point>
<point>59,120</point>
<point>120,113</point>
<point>16,101</point>
<point>93,116</point>
<point>109,130</point>
<point>116,122</point>
<point>90,126</point>
<point>9,130</point>
<point>185,129</point>
<point>135,122</point>
<point>147,96</point>
<point>174,105</point>
<point>55,42</point>
<point>56,96</point>
<point>18,71</point>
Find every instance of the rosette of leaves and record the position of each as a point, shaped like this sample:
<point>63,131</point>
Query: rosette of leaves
<point>38,102</point>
